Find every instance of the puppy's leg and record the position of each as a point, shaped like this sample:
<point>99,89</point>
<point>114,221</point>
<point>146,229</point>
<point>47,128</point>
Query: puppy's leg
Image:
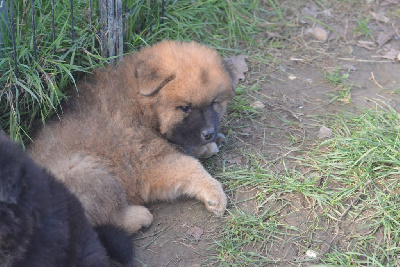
<point>209,149</point>
<point>132,218</point>
<point>88,178</point>
<point>176,175</point>
<point>206,151</point>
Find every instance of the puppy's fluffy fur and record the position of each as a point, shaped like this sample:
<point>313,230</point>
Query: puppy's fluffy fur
<point>42,223</point>
<point>127,137</point>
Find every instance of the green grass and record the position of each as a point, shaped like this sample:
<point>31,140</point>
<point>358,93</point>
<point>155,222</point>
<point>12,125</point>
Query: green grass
<point>350,181</point>
<point>365,159</point>
<point>221,24</point>
<point>39,86</point>
<point>240,106</point>
<point>244,234</point>
<point>363,30</point>
<point>335,78</point>
<point>340,81</point>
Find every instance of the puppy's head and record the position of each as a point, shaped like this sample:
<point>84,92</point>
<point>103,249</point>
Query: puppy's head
<point>187,87</point>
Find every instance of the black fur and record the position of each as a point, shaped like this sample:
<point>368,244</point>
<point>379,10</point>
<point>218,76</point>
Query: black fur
<point>117,243</point>
<point>198,128</point>
<point>41,222</point>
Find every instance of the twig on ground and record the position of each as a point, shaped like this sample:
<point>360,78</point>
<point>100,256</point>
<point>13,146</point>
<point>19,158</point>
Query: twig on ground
<point>147,236</point>
<point>294,115</point>
<point>395,30</point>
<point>151,242</point>
<point>373,79</point>
<point>365,60</point>
<point>296,59</point>
<point>270,162</point>
<point>346,29</point>
<point>279,24</point>
<point>188,246</point>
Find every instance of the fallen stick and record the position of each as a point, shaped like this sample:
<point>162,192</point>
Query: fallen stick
<point>373,78</point>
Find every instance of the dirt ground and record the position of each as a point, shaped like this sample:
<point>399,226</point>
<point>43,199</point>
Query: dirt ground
<point>288,68</point>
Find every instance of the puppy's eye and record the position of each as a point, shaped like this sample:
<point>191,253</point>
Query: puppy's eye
<point>185,109</point>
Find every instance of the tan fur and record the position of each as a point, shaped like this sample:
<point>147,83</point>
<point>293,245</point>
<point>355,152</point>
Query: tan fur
<point>108,147</point>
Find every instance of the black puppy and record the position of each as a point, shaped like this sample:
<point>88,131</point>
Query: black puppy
<point>43,224</point>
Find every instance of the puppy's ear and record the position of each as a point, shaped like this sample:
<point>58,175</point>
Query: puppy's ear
<point>229,68</point>
<point>236,67</point>
<point>151,79</point>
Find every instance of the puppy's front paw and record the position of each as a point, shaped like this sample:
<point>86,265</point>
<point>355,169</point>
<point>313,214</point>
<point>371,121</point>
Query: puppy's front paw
<point>206,151</point>
<point>133,218</point>
<point>221,138</point>
<point>215,199</point>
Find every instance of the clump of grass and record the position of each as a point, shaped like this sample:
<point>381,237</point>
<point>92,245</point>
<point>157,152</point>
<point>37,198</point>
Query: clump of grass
<point>335,78</point>
<point>277,10</point>
<point>363,30</point>
<point>243,242</point>
<point>240,106</point>
<point>364,158</point>
<point>351,185</point>
<point>39,86</point>
<point>340,81</point>
<point>218,23</point>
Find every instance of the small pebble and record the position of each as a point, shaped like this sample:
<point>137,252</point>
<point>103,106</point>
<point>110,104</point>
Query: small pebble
<point>319,34</point>
<point>324,132</point>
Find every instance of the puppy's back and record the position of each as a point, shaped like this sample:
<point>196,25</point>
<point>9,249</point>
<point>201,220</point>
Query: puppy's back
<point>42,223</point>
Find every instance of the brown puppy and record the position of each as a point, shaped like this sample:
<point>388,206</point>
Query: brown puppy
<point>127,137</point>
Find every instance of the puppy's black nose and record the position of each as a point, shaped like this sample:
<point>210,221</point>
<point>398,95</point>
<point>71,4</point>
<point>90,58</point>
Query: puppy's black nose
<point>207,135</point>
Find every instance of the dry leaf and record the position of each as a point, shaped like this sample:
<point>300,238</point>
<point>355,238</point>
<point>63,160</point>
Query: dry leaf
<point>367,45</point>
<point>339,32</point>
<point>282,68</point>
<point>258,105</point>
<point>391,54</point>
<point>238,67</point>
<point>196,232</point>
<point>388,2</point>
<point>318,33</point>
<point>348,67</point>
<point>309,11</point>
<point>346,99</point>
<point>327,13</point>
<point>235,160</point>
<point>384,37</point>
<point>380,17</point>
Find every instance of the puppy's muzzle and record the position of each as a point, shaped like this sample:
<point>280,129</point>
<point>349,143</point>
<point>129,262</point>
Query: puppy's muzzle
<point>208,135</point>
